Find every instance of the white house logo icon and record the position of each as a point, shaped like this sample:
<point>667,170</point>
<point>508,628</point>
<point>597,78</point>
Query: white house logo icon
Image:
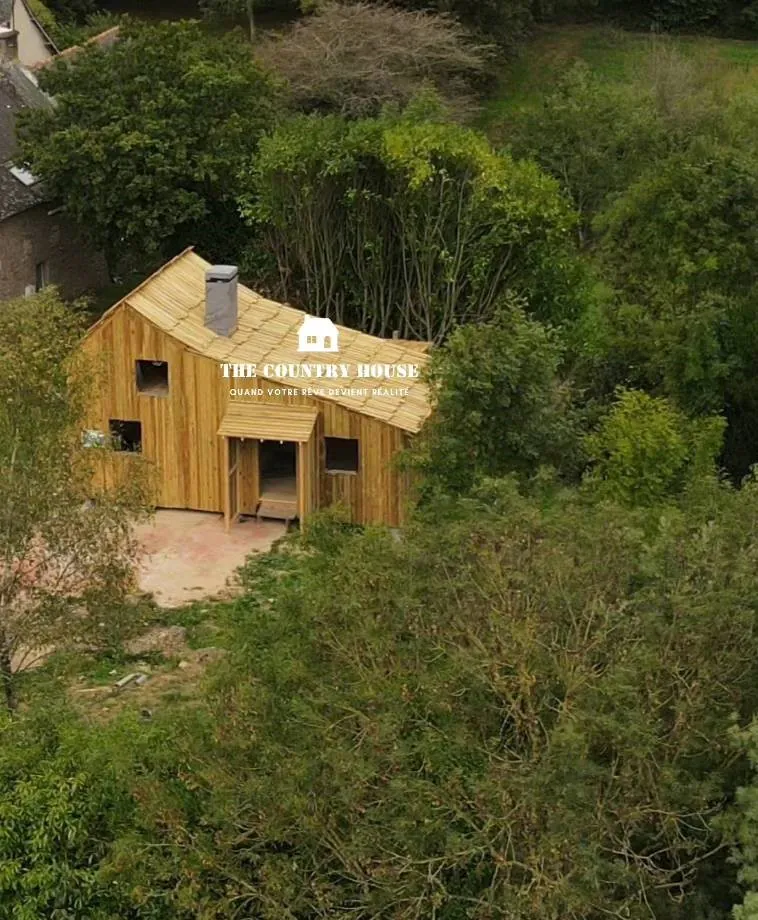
<point>317,333</point>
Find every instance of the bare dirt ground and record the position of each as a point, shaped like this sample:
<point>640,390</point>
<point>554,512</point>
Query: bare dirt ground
<point>190,557</point>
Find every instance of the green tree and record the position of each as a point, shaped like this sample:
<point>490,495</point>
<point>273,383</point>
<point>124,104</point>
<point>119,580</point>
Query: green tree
<point>408,223</point>
<point>61,806</point>
<point>681,247</point>
<point>594,137</point>
<point>144,144</point>
<point>66,553</point>
<point>499,404</point>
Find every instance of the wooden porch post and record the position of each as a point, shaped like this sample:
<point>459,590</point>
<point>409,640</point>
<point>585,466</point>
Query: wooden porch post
<point>300,482</point>
<point>227,487</point>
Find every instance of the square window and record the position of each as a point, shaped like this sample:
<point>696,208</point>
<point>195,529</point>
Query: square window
<point>311,340</point>
<point>125,435</point>
<point>341,455</point>
<point>152,378</point>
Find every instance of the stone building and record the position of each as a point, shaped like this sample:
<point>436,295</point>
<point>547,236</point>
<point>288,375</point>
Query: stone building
<point>38,244</point>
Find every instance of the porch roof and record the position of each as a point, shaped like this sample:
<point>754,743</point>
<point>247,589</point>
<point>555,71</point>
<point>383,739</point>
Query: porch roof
<point>248,418</point>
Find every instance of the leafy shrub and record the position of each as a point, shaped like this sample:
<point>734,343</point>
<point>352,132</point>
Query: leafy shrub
<point>646,450</point>
<point>61,807</point>
<point>681,247</point>
<point>67,34</point>
<point>591,136</point>
<point>745,818</point>
<point>500,405</point>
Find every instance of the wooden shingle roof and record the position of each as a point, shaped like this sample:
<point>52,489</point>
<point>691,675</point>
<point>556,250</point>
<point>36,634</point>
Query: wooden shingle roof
<point>173,299</point>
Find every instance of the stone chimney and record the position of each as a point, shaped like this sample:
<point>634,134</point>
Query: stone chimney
<point>8,44</point>
<point>221,299</point>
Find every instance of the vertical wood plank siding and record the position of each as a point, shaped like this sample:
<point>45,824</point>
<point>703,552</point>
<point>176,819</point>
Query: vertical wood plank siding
<point>179,430</point>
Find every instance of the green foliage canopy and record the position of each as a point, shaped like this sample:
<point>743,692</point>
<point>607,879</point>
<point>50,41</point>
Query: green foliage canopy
<point>144,143</point>
<point>681,246</point>
<point>61,807</point>
<point>592,136</point>
<point>510,712</point>
<point>645,449</point>
<point>407,223</point>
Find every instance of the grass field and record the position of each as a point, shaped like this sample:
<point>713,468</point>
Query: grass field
<point>617,55</point>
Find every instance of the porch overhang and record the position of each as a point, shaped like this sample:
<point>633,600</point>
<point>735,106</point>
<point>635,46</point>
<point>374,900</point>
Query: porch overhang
<point>267,422</point>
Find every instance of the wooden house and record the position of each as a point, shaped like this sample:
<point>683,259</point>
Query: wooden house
<point>213,383</point>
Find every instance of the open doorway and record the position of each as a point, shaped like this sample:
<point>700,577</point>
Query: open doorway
<point>278,471</point>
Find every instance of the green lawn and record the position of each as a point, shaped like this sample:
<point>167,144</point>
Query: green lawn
<point>616,54</point>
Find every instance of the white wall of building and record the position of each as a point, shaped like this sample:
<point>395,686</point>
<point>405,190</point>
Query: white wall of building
<point>32,48</point>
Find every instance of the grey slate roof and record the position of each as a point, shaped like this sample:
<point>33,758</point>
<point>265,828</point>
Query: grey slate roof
<point>17,92</point>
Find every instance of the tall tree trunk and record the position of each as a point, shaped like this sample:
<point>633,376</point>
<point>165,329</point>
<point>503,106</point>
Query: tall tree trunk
<point>251,19</point>
<point>6,674</point>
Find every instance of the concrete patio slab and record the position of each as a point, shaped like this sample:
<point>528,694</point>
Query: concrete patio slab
<point>190,557</point>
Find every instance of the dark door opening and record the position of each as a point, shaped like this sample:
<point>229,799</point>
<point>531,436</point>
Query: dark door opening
<point>278,469</point>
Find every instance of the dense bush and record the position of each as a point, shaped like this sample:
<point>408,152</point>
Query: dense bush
<point>593,137</point>
<point>509,712</point>
<point>499,405</point>
<point>597,137</point>
<point>662,170</point>
<point>682,247</point>
<point>61,807</point>
<point>645,449</point>
<point>745,817</point>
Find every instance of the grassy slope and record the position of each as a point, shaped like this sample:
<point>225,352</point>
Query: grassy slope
<point>616,54</point>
